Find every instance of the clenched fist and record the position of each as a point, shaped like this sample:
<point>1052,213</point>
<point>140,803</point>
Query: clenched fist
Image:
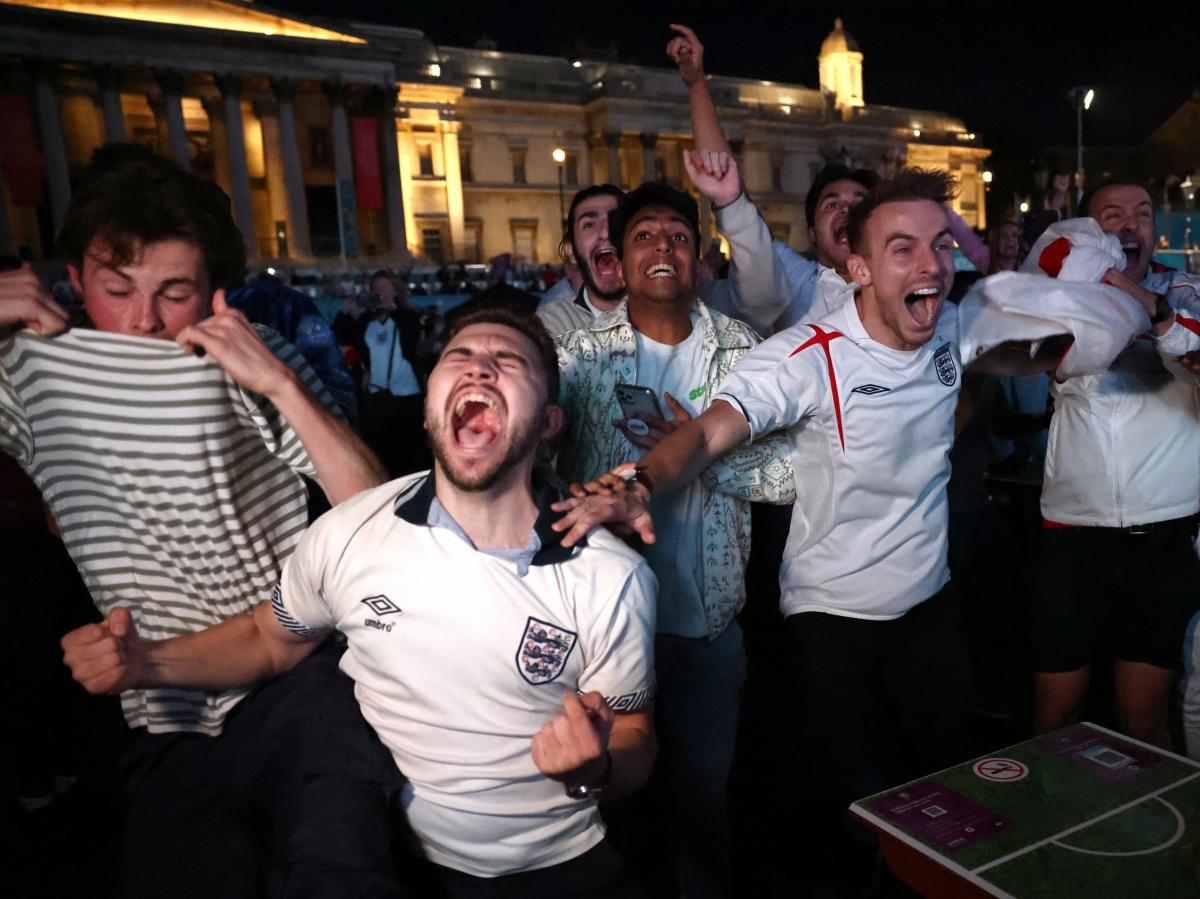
<point>570,749</point>
<point>108,657</point>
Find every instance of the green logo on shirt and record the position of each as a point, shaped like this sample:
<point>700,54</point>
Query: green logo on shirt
<point>698,392</point>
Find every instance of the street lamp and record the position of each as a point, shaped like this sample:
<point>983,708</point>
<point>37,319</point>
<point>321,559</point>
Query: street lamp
<point>560,156</point>
<point>1082,98</point>
<point>987,177</point>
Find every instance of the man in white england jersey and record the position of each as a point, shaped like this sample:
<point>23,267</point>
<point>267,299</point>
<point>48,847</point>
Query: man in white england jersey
<point>511,677</point>
<point>176,483</point>
<point>1118,578</point>
<point>816,286</point>
<point>868,396</point>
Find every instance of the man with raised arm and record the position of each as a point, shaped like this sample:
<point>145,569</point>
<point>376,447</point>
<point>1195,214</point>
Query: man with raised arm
<point>815,286</point>
<point>510,676</point>
<point>755,292</point>
<point>176,483</point>
<point>868,398</point>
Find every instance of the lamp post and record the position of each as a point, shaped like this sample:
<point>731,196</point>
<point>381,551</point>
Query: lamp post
<point>560,157</point>
<point>1082,98</point>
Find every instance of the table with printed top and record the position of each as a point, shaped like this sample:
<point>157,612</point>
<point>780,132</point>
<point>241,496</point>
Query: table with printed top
<point>1082,812</point>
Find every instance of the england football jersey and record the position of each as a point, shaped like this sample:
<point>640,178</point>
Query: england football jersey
<point>459,658</point>
<point>871,429</point>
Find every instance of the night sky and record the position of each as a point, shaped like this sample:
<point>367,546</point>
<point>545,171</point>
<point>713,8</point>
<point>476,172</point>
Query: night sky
<point>1003,68</point>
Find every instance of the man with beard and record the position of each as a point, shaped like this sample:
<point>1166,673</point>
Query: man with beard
<point>868,398</point>
<point>815,286</point>
<point>510,676</point>
<point>756,290</point>
<point>665,339</point>
<point>1122,488</point>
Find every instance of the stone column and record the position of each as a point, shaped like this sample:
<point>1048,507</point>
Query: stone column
<point>454,192</point>
<point>57,171</point>
<point>293,171</point>
<point>392,190</point>
<point>407,153</point>
<point>171,82</point>
<point>343,160</point>
<point>109,78</point>
<point>239,168</point>
<point>219,139</point>
<point>267,110</point>
<point>648,141</point>
<point>613,142</point>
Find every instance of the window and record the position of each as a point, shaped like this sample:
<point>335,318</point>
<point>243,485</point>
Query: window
<point>425,159</point>
<point>431,245</point>
<point>777,175</point>
<point>518,164</point>
<point>473,241</point>
<point>571,170</point>
<point>320,150</point>
<point>524,234</point>
<point>464,163</point>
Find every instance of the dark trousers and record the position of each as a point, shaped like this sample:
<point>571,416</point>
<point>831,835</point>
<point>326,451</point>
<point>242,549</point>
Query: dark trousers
<point>291,800</point>
<point>599,873</point>
<point>880,702</point>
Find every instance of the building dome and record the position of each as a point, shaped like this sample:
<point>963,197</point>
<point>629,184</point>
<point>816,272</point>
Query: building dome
<point>839,41</point>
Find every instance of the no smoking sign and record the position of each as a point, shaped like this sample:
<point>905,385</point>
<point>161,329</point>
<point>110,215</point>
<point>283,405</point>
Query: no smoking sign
<point>1002,770</point>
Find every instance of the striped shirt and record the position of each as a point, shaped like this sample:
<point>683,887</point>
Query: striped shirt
<point>177,492</point>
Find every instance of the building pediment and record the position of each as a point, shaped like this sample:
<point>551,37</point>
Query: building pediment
<point>213,14</point>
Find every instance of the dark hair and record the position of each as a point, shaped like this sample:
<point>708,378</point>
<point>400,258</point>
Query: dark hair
<point>835,171</point>
<point>652,193</point>
<point>1085,202</point>
<point>513,316</point>
<point>382,273</point>
<point>130,198</point>
<point>909,184</point>
<point>596,190</point>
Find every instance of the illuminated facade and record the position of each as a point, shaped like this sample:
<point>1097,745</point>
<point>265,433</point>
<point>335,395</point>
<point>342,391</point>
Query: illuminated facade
<point>334,131</point>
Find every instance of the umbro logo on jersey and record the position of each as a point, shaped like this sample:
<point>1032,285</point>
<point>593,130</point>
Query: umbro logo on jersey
<point>943,363</point>
<point>381,605</point>
<point>543,652</point>
<point>871,389</point>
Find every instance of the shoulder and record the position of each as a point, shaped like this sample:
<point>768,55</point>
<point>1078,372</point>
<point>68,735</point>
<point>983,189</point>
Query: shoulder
<point>607,563</point>
<point>731,332</point>
<point>564,315</point>
<point>340,524</point>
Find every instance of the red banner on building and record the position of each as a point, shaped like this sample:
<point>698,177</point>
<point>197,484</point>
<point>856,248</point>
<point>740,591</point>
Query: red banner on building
<point>21,162</point>
<point>368,186</point>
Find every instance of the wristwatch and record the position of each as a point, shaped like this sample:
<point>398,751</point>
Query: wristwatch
<point>597,788</point>
<point>641,476</point>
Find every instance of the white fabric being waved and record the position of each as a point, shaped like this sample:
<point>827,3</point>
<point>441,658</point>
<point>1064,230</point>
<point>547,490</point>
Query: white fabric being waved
<point>1012,306</point>
<point>1074,250</point>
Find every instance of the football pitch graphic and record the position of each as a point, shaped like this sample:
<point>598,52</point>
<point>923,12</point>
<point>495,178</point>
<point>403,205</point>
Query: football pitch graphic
<point>1082,812</point>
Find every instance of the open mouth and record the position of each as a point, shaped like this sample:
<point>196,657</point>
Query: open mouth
<point>604,263</point>
<point>922,305</point>
<point>476,420</point>
<point>661,270</point>
<point>1132,250</point>
<point>841,235</point>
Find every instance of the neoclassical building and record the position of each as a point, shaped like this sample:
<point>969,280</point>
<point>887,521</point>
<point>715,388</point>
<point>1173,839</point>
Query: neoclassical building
<point>332,135</point>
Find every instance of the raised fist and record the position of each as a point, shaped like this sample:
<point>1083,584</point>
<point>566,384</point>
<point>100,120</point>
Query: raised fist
<point>108,657</point>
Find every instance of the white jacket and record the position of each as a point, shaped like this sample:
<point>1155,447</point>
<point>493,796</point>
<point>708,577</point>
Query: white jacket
<point>1124,445</point>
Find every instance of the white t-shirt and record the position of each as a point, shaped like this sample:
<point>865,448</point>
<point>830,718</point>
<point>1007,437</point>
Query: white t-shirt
<point>458,661</point>
<point>676,556</point>
<point>871,429</point>
<point>384,346</point>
